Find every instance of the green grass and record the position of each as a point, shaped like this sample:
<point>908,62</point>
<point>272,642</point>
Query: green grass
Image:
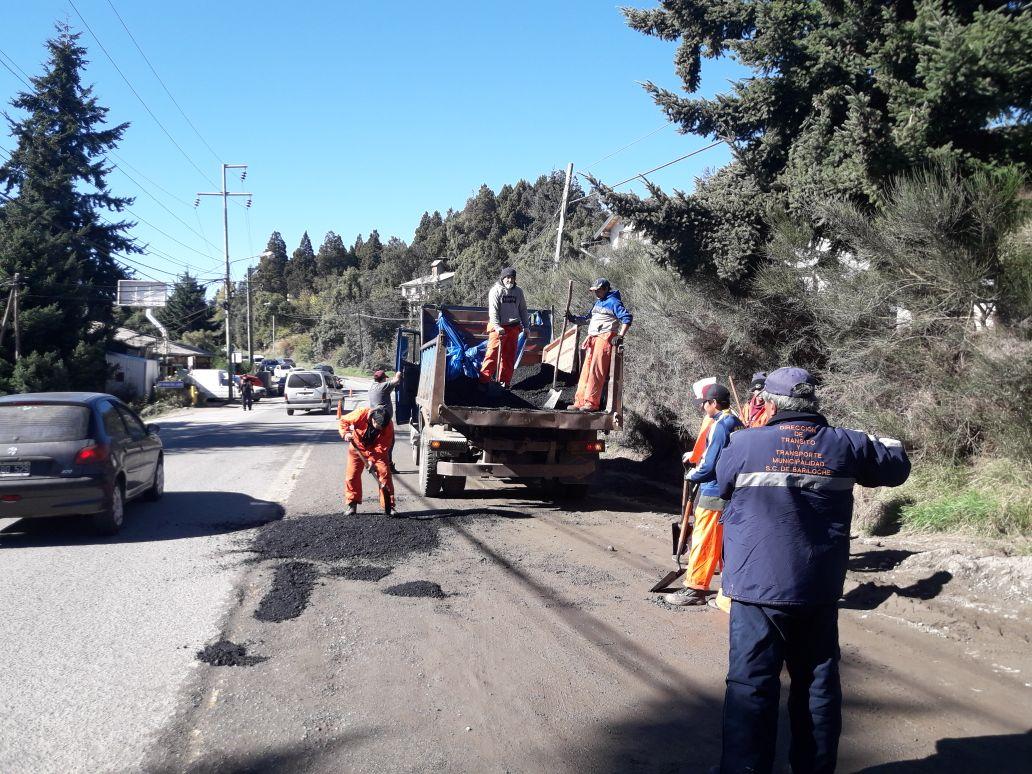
<point>990,497</point>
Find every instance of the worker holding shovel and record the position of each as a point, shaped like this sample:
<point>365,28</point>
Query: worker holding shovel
<point>371,435</point>
<point>707,536</point>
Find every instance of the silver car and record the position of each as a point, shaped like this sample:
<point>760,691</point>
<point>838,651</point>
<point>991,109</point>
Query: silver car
<point>308,390</point>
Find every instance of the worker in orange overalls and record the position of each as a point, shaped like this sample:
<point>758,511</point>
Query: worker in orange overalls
<point>371,435</point>
<point>507,315</point>
<point>707,536</point>
<point>607,323</point>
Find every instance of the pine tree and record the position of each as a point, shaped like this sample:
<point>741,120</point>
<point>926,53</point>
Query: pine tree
<point>332,258</point>
<point>270,275</point>
<point>52,230</point>
<point>370,252</point>
<point>301,271</point>
<point>186,309</point>
<point>840,99</point>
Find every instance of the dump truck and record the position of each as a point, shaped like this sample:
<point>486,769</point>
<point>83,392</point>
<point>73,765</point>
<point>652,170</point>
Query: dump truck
<point>460,429</point>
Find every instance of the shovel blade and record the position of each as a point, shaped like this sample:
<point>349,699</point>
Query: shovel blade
<point>666,580</point>
<point>553,399</point>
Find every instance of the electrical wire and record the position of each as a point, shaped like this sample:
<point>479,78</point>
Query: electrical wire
<point>12,72</point>
<point>137,94</point>
<point>169,93</point>
<point>628,145</point>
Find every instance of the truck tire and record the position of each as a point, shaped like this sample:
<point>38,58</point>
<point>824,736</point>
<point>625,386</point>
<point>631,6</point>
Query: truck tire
<point>429,480</point>
<point>452,486</point>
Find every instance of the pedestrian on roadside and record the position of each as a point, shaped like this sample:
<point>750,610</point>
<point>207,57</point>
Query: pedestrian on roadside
<point>705,554</point>
<point>786,544</point>
<point>608,322</point>
<point>246,394</point>
<point>379,396</point>
<point>507,316</point>
<point>371,435</point>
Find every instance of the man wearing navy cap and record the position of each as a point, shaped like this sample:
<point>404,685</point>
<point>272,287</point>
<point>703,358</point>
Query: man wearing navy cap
<point>607,323</point>
<point>786,544</point>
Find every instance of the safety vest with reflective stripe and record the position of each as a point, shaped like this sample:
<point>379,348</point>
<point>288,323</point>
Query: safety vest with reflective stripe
<point>790,486</point>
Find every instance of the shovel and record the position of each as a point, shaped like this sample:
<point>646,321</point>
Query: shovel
<point>553,396</point>
<point>680,535</point>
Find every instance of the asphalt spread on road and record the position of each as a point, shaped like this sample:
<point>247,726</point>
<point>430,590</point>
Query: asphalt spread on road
<point>289,593</point>
<point>362,572</point>
<point>419,588</point>
<point>226,653</point>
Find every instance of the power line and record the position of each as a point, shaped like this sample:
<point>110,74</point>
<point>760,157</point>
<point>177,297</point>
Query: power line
<point>169,93</point>
<point>7,67</point>
<point>165,191</point>
<point>628,145</point>
<point>137,94</point>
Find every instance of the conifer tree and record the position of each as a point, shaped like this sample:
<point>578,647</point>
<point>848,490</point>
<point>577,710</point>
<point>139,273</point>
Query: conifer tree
<point>271,274</point>
<point>53,231</point>
<point>301,271</point>
<point>186,309</point>
<point>332,257</point>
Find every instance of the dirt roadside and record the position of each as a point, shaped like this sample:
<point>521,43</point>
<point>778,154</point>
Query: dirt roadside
<point>543,651</point>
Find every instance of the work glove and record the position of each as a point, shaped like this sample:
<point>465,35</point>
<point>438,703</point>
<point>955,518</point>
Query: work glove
<point>617,341</point>
<point>347,437</point>
<point>570,318</point>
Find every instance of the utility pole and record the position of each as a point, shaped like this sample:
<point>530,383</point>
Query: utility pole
<point>250,338</point>
<point>17,331</point>
<point>562,212</point>
<point>273,333</point>
<point>7,314</point>
<point>225,232</point>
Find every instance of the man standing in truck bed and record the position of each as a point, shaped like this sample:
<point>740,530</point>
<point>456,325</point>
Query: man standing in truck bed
<point>607,323</point>
<point>507,315</point>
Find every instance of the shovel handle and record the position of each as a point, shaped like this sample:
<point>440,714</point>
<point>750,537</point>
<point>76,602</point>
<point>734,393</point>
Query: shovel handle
<point>562,337</point>
<point>686,528</point>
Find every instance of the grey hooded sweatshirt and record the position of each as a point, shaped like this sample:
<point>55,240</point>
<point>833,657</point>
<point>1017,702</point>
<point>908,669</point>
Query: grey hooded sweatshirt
<point>507,306</point>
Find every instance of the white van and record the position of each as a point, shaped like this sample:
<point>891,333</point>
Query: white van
<point>213,383</point>
<point>308,390</point>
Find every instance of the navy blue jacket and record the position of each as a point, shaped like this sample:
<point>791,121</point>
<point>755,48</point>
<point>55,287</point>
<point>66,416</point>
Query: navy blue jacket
<point>790,485</point>
<point>705,473</point>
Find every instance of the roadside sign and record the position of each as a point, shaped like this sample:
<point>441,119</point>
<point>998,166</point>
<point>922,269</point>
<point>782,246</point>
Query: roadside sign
<point>141,293</point>
<point>238,357</point>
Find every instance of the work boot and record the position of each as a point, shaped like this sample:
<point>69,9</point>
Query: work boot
<point>686,598</point>
<point>351,510</point>
<point>391,512</point>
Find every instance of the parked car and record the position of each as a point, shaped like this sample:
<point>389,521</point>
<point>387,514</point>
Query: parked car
<point>279,376</point>
<point>76,453</point>
<point>307,390</point>
<point>324,368</point>
<point>289,361</point>
<point>213,383</point>
<point>269,363</point>
<point>259,388</point>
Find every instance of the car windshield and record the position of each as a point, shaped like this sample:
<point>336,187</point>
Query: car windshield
<point>41,423</point>
<point>302,379</point>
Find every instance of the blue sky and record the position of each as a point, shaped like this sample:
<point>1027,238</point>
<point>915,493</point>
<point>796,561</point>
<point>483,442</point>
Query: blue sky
<point>354,116</point>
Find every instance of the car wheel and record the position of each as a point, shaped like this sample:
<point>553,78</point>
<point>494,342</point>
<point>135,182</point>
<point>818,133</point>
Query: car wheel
<point>158,486</point>
<point>290,412</point>
<point>110,520</point>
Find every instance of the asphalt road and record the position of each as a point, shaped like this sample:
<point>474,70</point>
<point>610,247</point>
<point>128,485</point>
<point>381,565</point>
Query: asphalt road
<point>543,653</point>
<point>99,634</point>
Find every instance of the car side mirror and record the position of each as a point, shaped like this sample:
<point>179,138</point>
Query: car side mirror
<point>153,429</point>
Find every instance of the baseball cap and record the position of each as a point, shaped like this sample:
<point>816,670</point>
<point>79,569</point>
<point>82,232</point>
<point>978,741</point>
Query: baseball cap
<point>379,373</point>
<point>758,380</point>
<point>790,382</point>
<point>601,282</point>
<point>717,392</point>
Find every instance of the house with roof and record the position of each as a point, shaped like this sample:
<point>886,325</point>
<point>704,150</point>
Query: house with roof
<point>617,231</point>
<point>417,291</point>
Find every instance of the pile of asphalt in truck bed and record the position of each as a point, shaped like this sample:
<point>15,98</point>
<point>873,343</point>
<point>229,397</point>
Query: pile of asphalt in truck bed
<point>530,388</point>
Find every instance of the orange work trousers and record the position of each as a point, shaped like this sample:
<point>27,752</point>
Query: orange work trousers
<point>353,479</point>
<point>707,545</point>
<point>501,353</point>
<point>598,352</point>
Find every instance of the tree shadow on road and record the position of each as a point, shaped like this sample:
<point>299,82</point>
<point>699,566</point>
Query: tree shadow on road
<point>176,516</point>
<point>1003,754</point>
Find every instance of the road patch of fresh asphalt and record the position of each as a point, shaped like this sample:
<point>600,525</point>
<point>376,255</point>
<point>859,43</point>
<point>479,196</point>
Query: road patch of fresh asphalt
<point>332,538</point>
<point>362,572</point>
<point>289,594</point>
<point>226,653</point>
<point>419,588</point>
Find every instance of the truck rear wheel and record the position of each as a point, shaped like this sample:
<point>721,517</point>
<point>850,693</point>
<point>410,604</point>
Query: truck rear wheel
<point>429,480</point>
<point>452,486</point>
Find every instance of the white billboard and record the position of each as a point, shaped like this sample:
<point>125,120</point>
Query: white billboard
<point>142,293</point>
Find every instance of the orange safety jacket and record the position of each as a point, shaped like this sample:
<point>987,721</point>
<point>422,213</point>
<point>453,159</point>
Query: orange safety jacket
<point>700,443</point>
<point>357,423</point>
